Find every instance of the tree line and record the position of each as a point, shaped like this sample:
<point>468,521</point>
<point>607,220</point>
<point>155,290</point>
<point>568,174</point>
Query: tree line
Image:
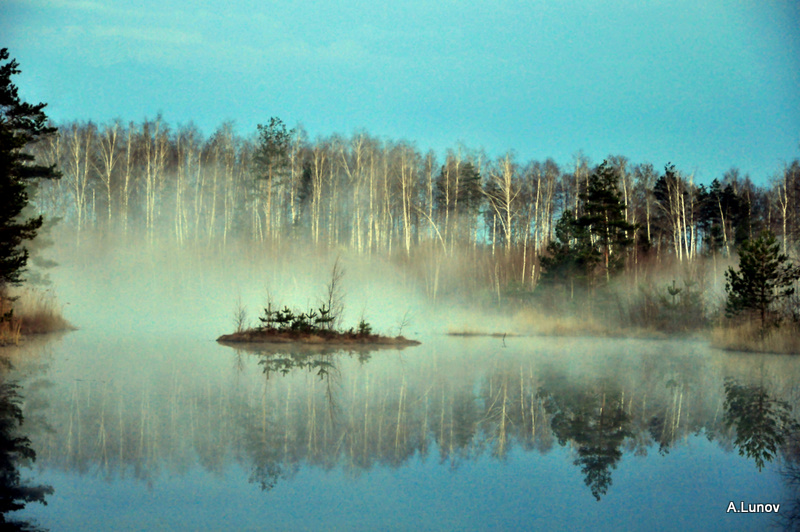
<point>377,195</point>
<point>517,222</point>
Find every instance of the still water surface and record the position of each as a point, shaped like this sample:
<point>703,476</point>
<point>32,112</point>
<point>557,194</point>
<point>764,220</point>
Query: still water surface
<point>164,432</point>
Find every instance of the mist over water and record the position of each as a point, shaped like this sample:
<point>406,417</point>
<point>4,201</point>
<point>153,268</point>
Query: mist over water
<point>163,290</point>
<point>168,290</point>
<point>141,420</point>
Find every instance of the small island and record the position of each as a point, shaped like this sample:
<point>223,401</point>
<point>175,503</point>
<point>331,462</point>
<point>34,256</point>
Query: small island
<point>312,328</point>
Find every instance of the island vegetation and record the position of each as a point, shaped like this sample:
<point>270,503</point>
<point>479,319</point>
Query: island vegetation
<point>311,327</point>
<point>314,327</point>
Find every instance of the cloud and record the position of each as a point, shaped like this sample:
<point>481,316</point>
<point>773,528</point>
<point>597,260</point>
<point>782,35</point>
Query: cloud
<point>80,5</point>
<point>148,34</point>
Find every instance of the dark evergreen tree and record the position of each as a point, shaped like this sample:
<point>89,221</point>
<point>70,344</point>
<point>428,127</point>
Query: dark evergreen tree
<point>458,191</point>
<point>595,242</point>
<point>765,277</point>
<point>603,216</point>
<point>271,155</point>
<point>571,258</point>
<point>271,161</point>
<point>738,193</point>
<point>665,209</point>
<point>305,189</point>
<point>710,222</point>
<point>791,201</point>
<point>725,214</point>
<point>21,125</point>
<point>457,199</point>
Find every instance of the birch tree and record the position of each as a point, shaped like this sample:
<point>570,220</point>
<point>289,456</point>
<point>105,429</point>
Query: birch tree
<point>109,156</point>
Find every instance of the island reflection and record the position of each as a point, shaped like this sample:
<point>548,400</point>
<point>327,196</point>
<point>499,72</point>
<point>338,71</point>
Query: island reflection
<point>274,412</point>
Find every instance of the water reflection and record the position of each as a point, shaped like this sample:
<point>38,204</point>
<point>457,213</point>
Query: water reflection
<point>277,411</point>
<point>763,424</point>
<point>15,452</point>
<point>321,363</point>
<point>271,456</point>
<point>592,418</point>
<point>790,516</point>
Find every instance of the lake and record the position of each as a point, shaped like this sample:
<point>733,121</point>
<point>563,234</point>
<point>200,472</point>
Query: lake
<point>173,432</point>
<point>141,421</point>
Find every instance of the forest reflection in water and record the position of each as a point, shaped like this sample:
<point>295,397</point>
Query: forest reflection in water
<point>16,452</point>
<point>275,412</point>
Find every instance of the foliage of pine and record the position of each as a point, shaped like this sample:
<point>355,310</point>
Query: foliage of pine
<point>604,217</point>
<point>593,245</point>
<point>21,124</point>
<point>764,278</point>
<point>287,320</point>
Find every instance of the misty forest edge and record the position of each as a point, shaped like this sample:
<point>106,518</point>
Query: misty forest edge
<point>554,240</point>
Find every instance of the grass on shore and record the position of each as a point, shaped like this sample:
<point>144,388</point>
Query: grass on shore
<point>34,312</point>
<point>747,337</point>
<point>532,323</point>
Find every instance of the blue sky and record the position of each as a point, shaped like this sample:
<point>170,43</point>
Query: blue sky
<point>705,84</point>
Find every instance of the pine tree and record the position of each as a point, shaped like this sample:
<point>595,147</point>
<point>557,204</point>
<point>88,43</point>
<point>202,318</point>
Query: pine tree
<point>596,242</point>
<point>271,156</point>
<point>605,219</point>
<point>271,160</point>
<point>21,124</point>
<point>571,258</point>
<point>765,277</point>
<point>458,191</point>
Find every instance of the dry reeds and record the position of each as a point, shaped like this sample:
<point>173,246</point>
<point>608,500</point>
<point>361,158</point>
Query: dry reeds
<point>34,312</point>
<point>543,324</point>
<point>10,327</point>
<point>749,337</point>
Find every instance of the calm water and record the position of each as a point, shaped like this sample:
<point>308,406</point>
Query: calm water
<point>165,431</point>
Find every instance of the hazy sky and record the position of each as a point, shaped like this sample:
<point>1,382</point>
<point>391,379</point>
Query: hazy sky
<point>706,84</point>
